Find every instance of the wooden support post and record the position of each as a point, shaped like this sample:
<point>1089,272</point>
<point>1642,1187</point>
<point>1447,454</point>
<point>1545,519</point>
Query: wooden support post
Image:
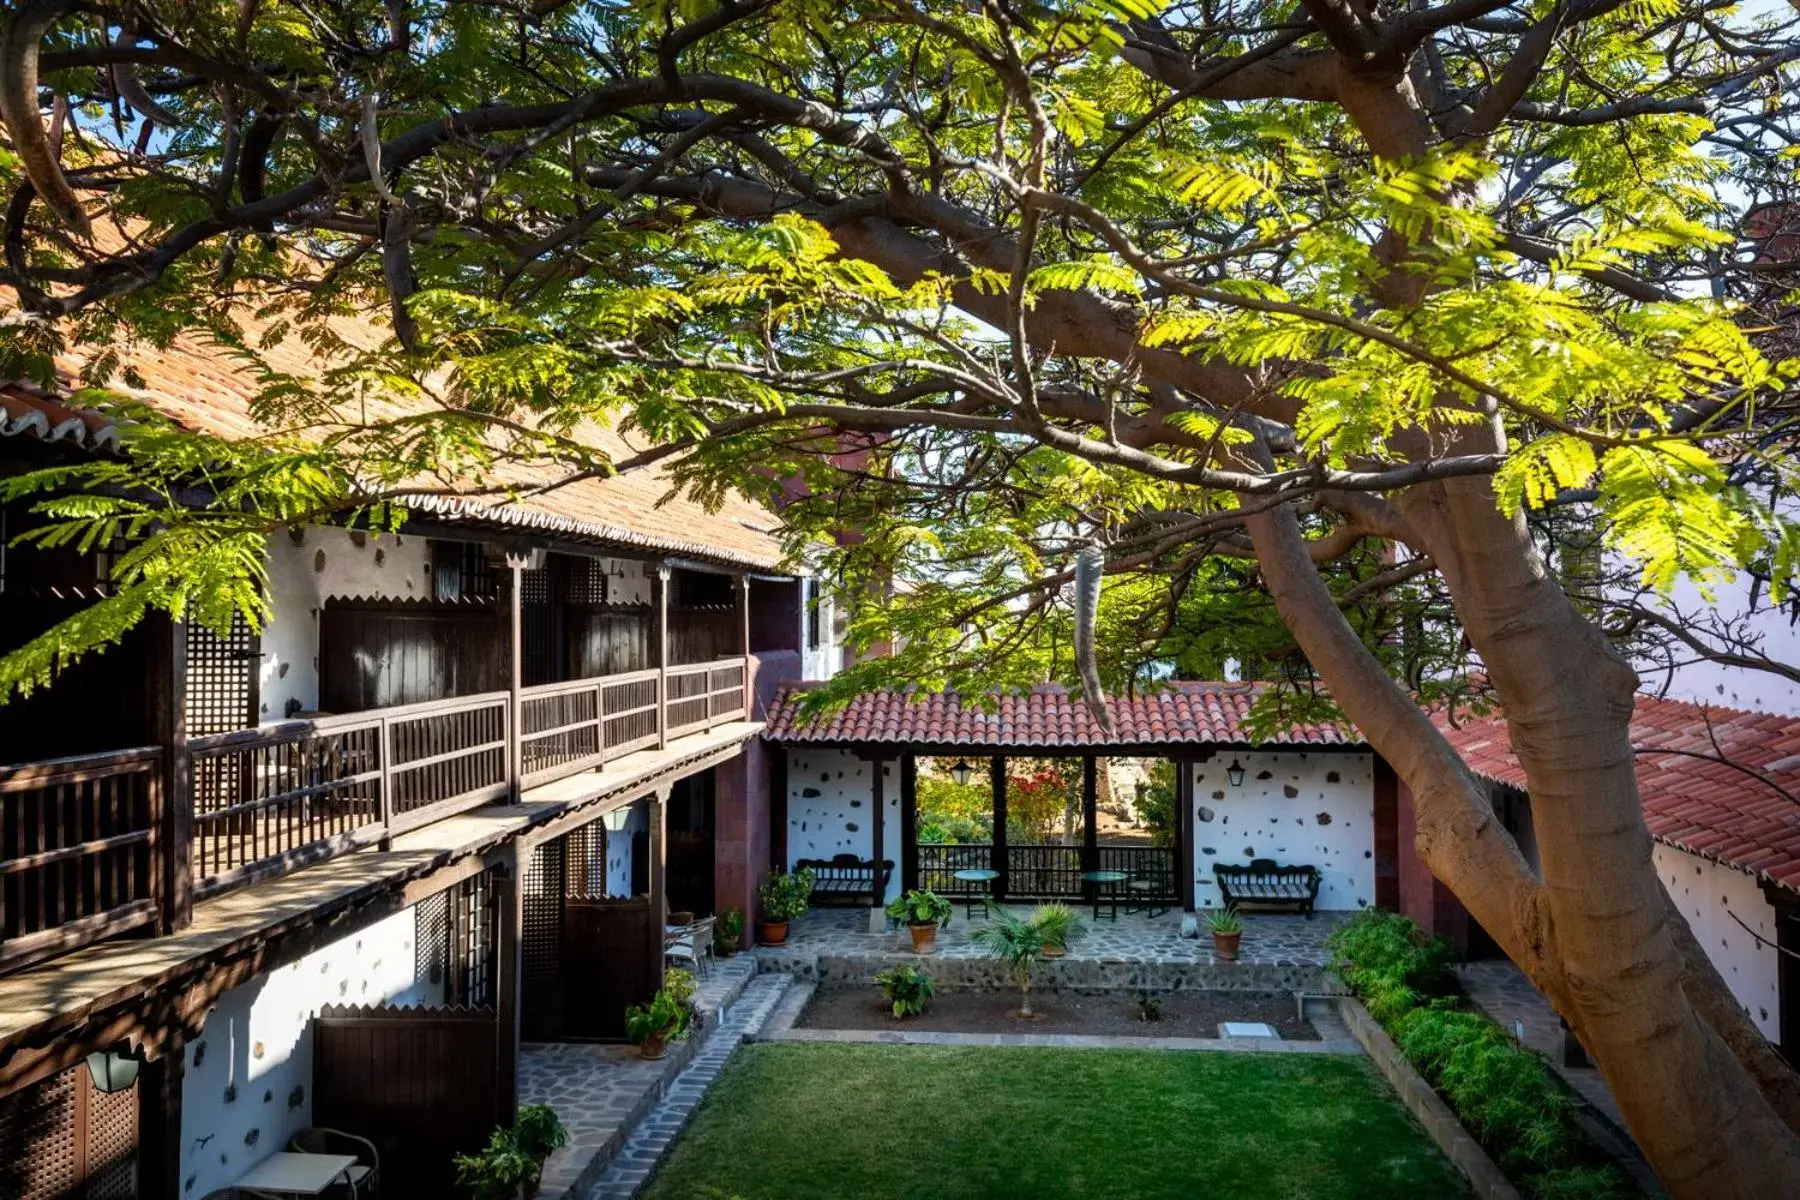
<point>659,894</point>
<point>174,820</point>
<point>159,1125</point>
<point>877,841</point>
<point>778,805</point>
<point>1090,813</point>
<point>997,783</point>
<point>743,582</point>
<point>515,683</point>
<point>909,821</point>
<point>659,649</point>
<point>508,881</point>
<point>1184,833</point>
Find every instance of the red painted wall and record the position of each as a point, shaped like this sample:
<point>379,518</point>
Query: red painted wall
<point>1421,896</point>
<point>741,816</point>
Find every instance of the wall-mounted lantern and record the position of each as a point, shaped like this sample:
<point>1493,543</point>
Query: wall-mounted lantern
<point>961,771</point>
<point>1235,773</point>
<point>112,1071</point>
<point>617,819</point>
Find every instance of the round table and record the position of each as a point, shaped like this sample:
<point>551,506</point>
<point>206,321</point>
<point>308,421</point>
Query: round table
<point>1105,885</point>
<point>982,879</point>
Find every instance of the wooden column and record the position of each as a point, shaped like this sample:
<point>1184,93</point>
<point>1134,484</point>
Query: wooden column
<point>515,673</point>
<point>778,807</point>
<point>659,868</point>
<point>997,783</point>
<point>1387,836</point>
<point>1184,833</point>
<point>877,840</point>
<point>1090,813</point>
<point>909,821</point>
<point>659,649</point>
<point>159,1125</point>
<point>174,825</point>
<point>743,582</point>
<point>509,976</point>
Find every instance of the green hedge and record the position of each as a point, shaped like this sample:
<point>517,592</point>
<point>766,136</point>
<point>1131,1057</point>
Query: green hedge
<point>1504,1094</point>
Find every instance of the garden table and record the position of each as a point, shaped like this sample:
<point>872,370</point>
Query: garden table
<point>982,879</point>
<point>291,1173</point>
<point>1105,884</point>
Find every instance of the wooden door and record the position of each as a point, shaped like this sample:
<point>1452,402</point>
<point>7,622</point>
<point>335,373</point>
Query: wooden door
<point>611,959</point>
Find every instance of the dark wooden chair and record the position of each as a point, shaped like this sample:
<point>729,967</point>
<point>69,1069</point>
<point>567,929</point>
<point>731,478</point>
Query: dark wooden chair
<point>847,879</point>
<point>365,1176</point>
<point>1266,882</point>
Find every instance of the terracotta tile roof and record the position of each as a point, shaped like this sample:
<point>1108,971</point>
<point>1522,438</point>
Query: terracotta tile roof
<point>1701,806</point>
<point>202,387</point>
<point>1196,714</point>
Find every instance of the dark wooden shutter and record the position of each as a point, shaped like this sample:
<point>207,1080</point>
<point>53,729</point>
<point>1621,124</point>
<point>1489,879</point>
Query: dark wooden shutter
<point>540,944</point>
<point>61,1139</point>
<point>222,675</point>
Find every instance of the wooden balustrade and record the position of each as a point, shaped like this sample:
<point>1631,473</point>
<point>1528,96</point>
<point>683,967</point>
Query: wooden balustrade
<point>79,857</point>
<point>78,851</point>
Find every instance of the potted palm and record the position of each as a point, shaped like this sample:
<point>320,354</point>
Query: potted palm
<point>1227,929</point>
<point>784,898</point>
<point>923,912</point>
<point>1062,928</point>
<point>1018,944</point>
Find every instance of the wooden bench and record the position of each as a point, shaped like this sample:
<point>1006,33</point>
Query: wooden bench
<point>1264,881</point>
<point>846,879</point>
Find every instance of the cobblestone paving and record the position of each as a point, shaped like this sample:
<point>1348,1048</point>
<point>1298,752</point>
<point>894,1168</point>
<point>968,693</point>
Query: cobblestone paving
<point>627,1174</point>
<point>601,1091</point>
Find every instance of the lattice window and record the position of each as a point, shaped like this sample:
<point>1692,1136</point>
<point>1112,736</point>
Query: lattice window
<point>585,870</point>
<point>431,938</point>
<point>540,942</point>
<point>587,582</point>
<point>222,678</point>
<point>474,944</point>
<point>462,571</point>
<point>61,1139</point>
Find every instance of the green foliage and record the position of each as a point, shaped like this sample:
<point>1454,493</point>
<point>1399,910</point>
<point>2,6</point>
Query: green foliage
<point>539,1130</point>
<point>1503,1093</point>
<point>1017,943</point>
<point>950,812</point>
<point>728,930</point>
<point>907,988</point>
<point>1224,920</point>
<point>498,1170</point>
<point>785,895</point>
<point>1149,1006</point>
<point>1155,803</point>
<point>1061,925</point>
<point>921,906</point>
<point>669,1013</point>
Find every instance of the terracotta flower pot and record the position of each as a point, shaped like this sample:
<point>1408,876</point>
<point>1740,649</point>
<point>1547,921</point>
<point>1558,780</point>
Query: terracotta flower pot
<point>924,937</point>
<point>1054,952</point>
<point>771,933</point>
<point>654,1046</point>
<point>1225,945</point>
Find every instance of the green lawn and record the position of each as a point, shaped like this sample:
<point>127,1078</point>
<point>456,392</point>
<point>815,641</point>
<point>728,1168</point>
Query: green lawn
<point>862,1122</point>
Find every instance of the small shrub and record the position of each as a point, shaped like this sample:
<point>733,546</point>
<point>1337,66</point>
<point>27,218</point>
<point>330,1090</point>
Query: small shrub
<point>1580,1183</point>
<point>727,931</point>
<point>921,906</point>
<point>498,1170</point>
<point>1061,925</point>
<point>1378,947</point>
<point>538,1130</point>
<point>1149,1007</point>
<point>786,895</point>
<point>907,988</point>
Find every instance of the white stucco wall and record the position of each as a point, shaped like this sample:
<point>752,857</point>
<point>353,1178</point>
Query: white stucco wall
<point>618,853</point>
<point>1775,633</point>
<point>1709,895</point>
<point>823,661</point>
<point>1296,807</point>
<point>828,808</point>
<point>326,562</point>
<point>247,1088</point>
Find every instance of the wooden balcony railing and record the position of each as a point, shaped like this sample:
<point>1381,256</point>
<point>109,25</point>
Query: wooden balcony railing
<point>78,851</point>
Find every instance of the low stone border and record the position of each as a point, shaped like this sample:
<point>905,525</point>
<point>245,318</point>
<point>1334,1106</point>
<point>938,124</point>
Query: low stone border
<point>1423,1102</point>
<point>1062,1041</point>
<point>1068,974</point>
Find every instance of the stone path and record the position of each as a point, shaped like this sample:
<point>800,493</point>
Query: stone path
<point>602,1091</point>
<point>1501,990</point>
<point>627,1173</point>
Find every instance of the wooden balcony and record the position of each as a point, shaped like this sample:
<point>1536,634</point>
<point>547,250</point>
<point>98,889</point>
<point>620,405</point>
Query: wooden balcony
<point>87,848</point>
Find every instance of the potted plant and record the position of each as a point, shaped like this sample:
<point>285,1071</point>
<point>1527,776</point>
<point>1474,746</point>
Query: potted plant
<point>1018,944</point>
<point>1062,928</point>
<point>539,1132</point>
<point>651,1027</point>
<point>923,912</point>
<point>784,899</point>
<point>727,932</point>
<point>907,988</point>
<point>1226,928</point>
<point>501,1170</point>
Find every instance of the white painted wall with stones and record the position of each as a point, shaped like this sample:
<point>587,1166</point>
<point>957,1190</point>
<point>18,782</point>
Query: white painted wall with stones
<point>828,803</point>
<point>1296,807</point>
<point>618,852</point>
<point>1709,895</point>
<point>247,1088</point>
<point>326,562</point>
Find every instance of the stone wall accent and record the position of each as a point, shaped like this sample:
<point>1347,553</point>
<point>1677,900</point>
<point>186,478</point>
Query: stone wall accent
<point>1423,1102</point>
<point>828,807</point>
<point>1296,807</point>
